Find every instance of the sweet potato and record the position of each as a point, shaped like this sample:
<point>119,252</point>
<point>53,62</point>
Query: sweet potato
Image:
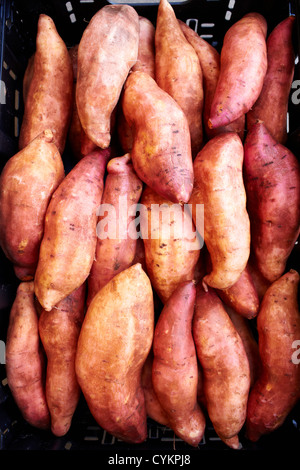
<point>27,182</point>
<point>161,151</point>
<point>25,362</point>
<point>59,330</point>
<point>115,251</point>
<point>171,253</point>
<point>271,106</point>
<point>219,186</point>
<point>277,389</point>
<point>243,66</point>
<point>107,50</point>
<point>49,98</point>
<point>68,246</point>
<point>226,370</point>
<point>175,366</point>
<point>114,343</point>
<point>178,71</point>
<point>272,181</point>
<point>209,59</point>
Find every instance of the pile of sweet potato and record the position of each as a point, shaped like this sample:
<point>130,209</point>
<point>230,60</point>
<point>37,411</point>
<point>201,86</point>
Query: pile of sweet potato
<point>143,321</point>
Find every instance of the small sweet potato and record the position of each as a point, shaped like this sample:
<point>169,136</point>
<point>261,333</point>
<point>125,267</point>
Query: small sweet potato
<point>48,103</point>
<point>107,50</point>
<point>220,187</point>
<point>178,71</point>
<point>161,152</point>
<point>114,343</point>
<point>225,366</point>
<point>27,183</point>
<point>175,365</point>
<point>59,330</point>
<point>25,361</point>
<point>277,389</point>
<point>243,66</point>
<point>272,181</point>
<point>271,106</point>
<point>68,246</point>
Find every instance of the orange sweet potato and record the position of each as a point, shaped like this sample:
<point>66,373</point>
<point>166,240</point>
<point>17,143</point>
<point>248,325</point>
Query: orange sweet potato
<point>219,186</point>
<point>161,151</point>
<point>243,66</point>
<point>277,389</point>
<point>175,365</point>
<point>271,106</point>
<point>170,252</point>
<point>225,366</point>
<point>114,343</point>
<point>116,251</point>
<point>68,246</point>
<point>272,181</point>
<point>107,50</point>
<point>27,182</point>
<point>25,362</point>
<point>59,330</point>
<point>49,98</point>
<point>178,71</point>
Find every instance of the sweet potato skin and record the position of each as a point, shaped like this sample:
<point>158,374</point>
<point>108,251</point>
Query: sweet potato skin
<point>114,342</point>
<point>107,50</point>
<point>219,186</point>
<point>48,103</point>
<point>25,364</point>
<point>271,106</point>
<point>27,183</point>
<point>277,389</point>
<point>175,367</point>
<point>161,135</point>
<point>272,181</point>
<point>68,246</point>
<point>59,330</point>
<point>243,66</point>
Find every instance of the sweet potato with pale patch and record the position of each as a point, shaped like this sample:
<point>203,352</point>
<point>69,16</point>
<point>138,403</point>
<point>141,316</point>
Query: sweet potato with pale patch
<point>107,51</point>
<point>114,343</point>
<point>272,181</point>
<point>25,362</point>
<point>161,151</point>
<point>277,389</point>
<point>175,365</point>
<point>68,246</point>
<point>243,66</point>
<point>48,103</point>
<point>220,187</point>
<point>27,183</point>
<point>59,331</point>
<point>271,106</point>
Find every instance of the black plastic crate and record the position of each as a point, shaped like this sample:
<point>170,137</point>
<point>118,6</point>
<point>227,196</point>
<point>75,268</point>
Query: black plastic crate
<point>18,22</point>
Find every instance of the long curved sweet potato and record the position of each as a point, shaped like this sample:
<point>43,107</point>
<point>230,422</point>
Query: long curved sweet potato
<point>59,331</point>
<point>272,181</point>
<point>219,186</point>
<point>161,151</point>
<point>277,389</point>
<point>68,246</point>
<point>27,183</point>
<point>114,343</point>
<point>175,366</point>
<point>243,66</point>
<point>271,106</point>
<point>116,251</point>
<point>225,366</point>
<point>49,98</point>
<point>25,362</point>
<point>107,50</point>
<point>178,71</point>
